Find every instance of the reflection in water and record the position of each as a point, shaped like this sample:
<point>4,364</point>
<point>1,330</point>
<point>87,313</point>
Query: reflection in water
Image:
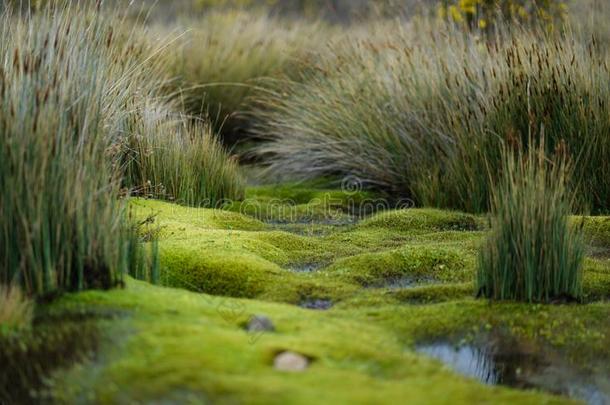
<point>28,359</point>
<point>466,360</point>
<point>506,364</point>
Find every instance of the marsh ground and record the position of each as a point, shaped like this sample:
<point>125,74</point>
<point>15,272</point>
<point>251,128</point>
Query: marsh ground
<point>121,128</point>
<point>394,284</point>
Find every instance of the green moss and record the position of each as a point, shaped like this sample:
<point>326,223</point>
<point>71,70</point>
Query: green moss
<point>297,248</point>
<point>423,219</point>
<point>240,273</point>
<point>596,279</point>
<point>184,346</point>
<point>418,263</point>
<point>229,254</point>
<point>236,275</point>
<point>435,293</point>
<point>293,203</point>
<point>177,346</point>
<point>417,294</point>
<point>173,216</point>
<point>225,253</point>
<point>305,193</point>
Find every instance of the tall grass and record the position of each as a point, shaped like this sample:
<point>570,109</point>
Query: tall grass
<point>174,158</point>
<point>61,88</point>
<point>558,85</point>
<point>342,116</point>
<point>532,253</point>
<point>71,85</point>
<point>222,55</point>
<point>422,110</point>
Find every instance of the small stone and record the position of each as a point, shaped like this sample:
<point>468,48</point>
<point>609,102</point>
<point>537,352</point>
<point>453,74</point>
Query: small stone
<point>260,323</point>
<point>290,362</point>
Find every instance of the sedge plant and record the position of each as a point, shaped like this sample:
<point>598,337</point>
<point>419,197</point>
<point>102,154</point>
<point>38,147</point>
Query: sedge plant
<point>65,81</point>
<point>218,61</point>
<point>533,253</point>
<point>421,111</point>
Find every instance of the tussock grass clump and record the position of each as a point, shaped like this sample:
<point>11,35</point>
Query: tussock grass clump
<point>74,89</point>
<point>216,66</point>
<point>422,111</point>
<point>65,79</point>
<point>532,254</point>
<point>560,84</point>
<point>342,116</point>
<point>174,158</point>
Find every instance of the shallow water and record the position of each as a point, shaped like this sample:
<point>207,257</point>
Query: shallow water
<point>306,267</point>
<point>498,362</point>
<point>27,359</point>
<point>318,304</point>
<point>404,282</point>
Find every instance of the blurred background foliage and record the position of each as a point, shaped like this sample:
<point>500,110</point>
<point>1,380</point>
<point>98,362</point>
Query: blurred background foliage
<point>333,10</point>
<point>482,13</point>
<point>471,12</point>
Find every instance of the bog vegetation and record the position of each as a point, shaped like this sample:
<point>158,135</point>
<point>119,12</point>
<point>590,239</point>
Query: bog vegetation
<point>532,253</point>
<point>395,162</point>
<point>78,128</point>
<point>98,106</point>
<point>424,112</point>
<point>217,63</point>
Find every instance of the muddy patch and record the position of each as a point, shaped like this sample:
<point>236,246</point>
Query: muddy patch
<point>501,361</point>
<point>598,252</point>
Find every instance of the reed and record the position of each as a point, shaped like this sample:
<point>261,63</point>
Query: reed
<point>174,158</point>
<point>532,254</point>
<point>222,55</point>
<point>421,111</point>
<point>65,82</point>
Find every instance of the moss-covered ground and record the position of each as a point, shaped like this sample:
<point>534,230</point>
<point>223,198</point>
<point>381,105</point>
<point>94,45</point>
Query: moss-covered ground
<point>395,279</point>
